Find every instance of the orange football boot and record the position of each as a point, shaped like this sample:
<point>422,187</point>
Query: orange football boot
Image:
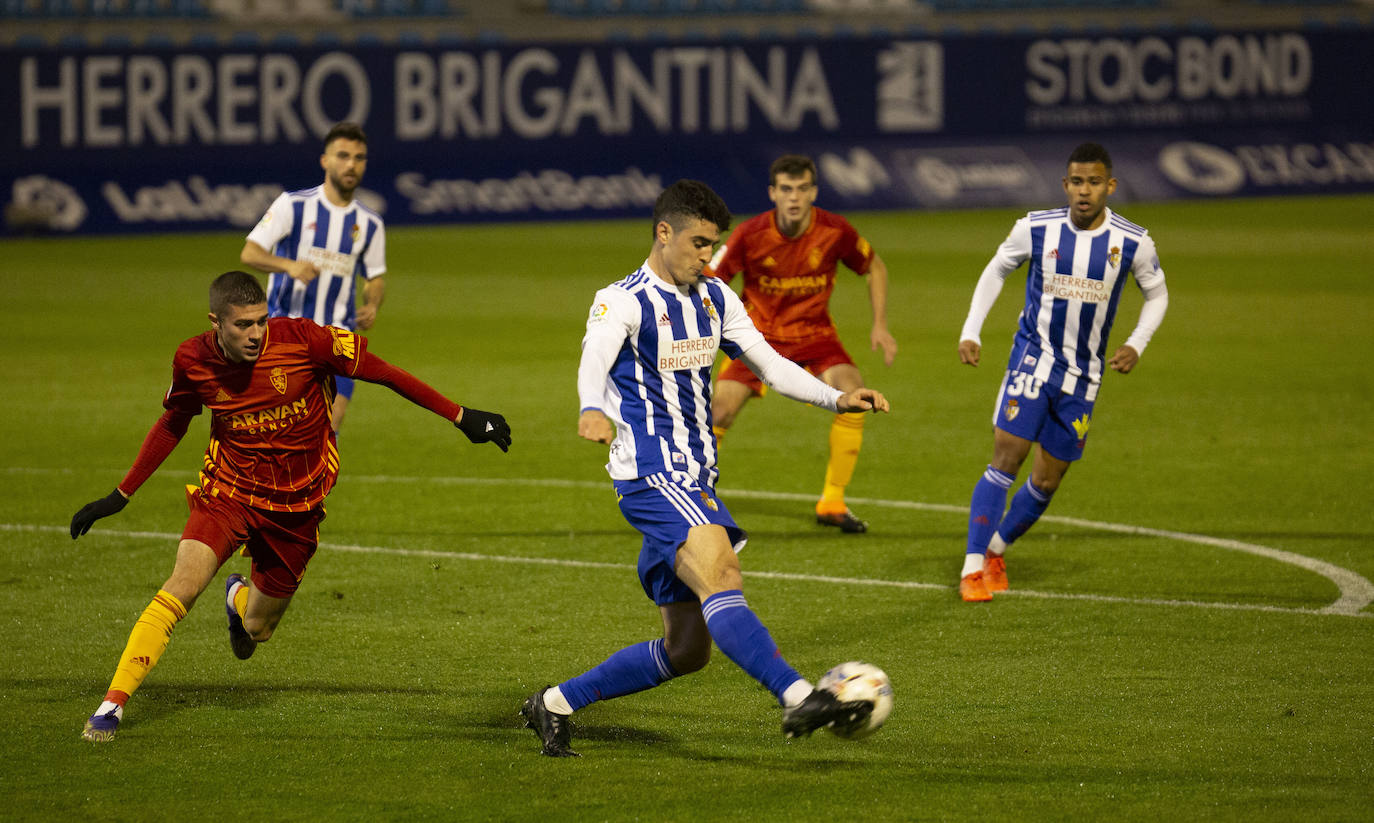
<point>995,573</point>
<point>973,590</point>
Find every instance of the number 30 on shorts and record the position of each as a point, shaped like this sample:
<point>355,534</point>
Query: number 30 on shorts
<point>1020,384</point>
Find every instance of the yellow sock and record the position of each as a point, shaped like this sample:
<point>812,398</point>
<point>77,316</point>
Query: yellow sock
<point>147,641</point>
<point>846,438</point>
<point>719,433</point>
<point>241,600</point>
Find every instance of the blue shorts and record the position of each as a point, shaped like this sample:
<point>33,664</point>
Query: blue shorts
<point>1028,408</point>
<point>663,510</point>
<point>343,387</point>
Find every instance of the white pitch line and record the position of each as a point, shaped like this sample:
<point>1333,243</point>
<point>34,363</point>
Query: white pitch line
<point>763,575</point>
<point>1356,591</point>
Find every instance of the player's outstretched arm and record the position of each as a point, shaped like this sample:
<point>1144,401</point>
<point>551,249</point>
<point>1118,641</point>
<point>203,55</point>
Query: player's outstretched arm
<point>112,503</point>
<point>484,427</point>
<point>862,400</point>
<point>595,426</point>
<point>479,426</point>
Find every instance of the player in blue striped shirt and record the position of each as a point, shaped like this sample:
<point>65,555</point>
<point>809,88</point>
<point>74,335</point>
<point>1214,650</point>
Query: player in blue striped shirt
<point>315,243</point>
<point>644,384</point>
<point>1079,256</point>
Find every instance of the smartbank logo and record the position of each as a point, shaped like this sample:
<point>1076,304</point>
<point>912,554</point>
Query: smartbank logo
<point>1202,168</point>
<point>548,190</point>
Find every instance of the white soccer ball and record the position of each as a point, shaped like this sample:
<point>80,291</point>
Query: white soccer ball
<point>854,682</point>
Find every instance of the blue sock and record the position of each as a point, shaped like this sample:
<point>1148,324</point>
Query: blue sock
<point>632,669</point>
<point>744,639</point>
<point>985,510</point>
<point>1026,507</point>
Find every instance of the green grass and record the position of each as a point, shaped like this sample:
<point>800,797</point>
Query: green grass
<point>391,688</point>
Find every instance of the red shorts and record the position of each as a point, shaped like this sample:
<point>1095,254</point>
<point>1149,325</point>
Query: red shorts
<point>813,355</point>
<point>280,543</point>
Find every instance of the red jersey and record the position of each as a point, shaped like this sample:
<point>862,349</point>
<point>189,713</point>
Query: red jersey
<point>788,281</point>
<point>271,445</point>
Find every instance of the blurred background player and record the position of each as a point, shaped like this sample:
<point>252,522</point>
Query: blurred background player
<point>644,383</point>
<point>788,257</point>
<point>1078,255</point>
<point>315,243</point>
<point>270,463</point>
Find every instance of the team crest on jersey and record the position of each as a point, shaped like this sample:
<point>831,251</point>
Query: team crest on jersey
<point>278,377</point>
<point>709,503</point>
<point>345,344</point>
<point>710,308</point>
<point>1114,256</point>
<point>355,231</point>
<point>1011,410</point>
<point>814,258</point>
<point>1080,427</point>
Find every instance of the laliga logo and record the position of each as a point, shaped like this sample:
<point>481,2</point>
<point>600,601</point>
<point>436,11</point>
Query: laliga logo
<point>39,202</point>
<point>1201,168</point>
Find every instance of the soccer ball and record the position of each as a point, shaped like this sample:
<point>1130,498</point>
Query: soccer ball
<point>853,682</point>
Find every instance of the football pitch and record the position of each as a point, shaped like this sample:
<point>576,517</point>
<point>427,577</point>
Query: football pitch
<point>1189,633</point>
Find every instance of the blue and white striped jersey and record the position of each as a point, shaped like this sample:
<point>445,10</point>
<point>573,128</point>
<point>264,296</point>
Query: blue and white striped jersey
<point>646,364</point>
<point>343,242</point>
<point>1073,286</point>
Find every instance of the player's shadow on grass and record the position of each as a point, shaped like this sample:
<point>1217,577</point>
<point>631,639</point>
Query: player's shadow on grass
<point>162,700</point>
<point>622,741</point>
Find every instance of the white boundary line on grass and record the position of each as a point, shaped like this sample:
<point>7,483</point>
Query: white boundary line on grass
<point>1356,592</point>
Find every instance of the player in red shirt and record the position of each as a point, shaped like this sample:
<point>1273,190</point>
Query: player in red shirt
<point>788,257</point>
<point>271,460</point>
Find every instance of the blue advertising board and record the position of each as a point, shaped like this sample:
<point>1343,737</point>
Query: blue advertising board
<point>140,140</point>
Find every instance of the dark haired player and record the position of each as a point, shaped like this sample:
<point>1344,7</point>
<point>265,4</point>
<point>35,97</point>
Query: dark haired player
<point>644,384</point>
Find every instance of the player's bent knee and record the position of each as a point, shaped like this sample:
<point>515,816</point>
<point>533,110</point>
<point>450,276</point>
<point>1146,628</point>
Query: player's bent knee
<point>259,632</point>
<point>688,657</point>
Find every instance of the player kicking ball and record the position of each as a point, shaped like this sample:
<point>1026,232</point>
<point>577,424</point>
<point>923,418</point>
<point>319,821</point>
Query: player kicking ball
<point>644,383</point>
<point>268,384</point>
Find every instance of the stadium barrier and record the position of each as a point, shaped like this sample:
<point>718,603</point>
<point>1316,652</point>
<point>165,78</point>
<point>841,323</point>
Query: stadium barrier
<point>122,139</point>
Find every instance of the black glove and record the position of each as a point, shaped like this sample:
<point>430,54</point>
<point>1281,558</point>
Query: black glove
<point>112,503</point>
<point>485,427</point>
